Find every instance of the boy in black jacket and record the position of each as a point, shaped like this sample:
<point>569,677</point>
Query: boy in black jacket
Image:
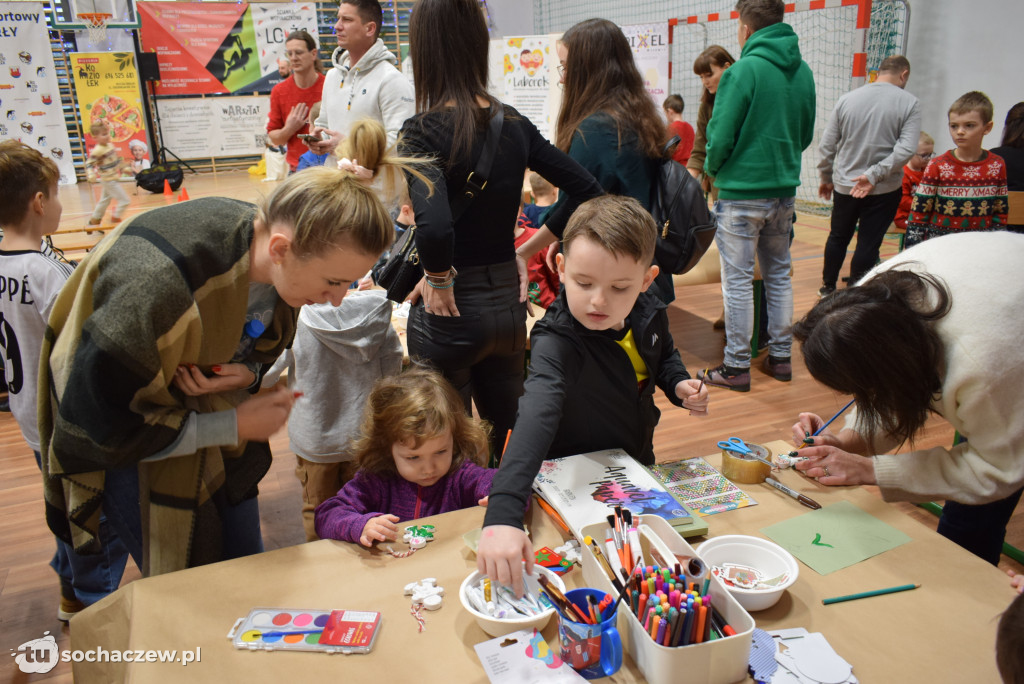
<point>595,359</point>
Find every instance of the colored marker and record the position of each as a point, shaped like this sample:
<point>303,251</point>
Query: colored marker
<point>867,594</point>
<point>802,498</point>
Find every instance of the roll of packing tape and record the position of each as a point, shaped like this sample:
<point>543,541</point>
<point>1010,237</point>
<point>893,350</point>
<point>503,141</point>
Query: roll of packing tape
<point>744,469</point>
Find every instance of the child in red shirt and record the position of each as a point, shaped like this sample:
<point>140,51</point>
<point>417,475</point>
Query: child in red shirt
<point>912,173</point>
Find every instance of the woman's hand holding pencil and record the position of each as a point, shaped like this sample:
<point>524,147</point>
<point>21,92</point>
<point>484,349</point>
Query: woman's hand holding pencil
<point>832,458</point>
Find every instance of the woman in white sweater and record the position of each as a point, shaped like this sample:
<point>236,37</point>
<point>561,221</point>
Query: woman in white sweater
<point>936,329</point>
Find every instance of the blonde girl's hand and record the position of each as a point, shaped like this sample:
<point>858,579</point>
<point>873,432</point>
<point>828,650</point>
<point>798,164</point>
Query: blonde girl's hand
<point>381,528</point>
<point>226,377</point>
<point>263,415</point>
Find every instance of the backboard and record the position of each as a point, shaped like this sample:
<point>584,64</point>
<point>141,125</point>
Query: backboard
<point>67,14</point>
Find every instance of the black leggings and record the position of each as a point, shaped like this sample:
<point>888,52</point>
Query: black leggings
<point>482,350</point>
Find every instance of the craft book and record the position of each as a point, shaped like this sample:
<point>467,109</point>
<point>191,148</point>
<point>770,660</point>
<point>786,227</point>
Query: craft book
<point>585,488</point>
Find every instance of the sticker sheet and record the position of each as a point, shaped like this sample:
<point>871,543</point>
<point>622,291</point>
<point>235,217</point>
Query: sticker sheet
<point>703,489</point>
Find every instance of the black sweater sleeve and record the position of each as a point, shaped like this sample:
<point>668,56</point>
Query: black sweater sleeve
<point>553,362</point>
<point>671,370</point>
<point>575,184</point>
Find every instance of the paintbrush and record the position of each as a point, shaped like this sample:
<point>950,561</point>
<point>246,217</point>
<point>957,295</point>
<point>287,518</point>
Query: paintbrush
<point>827,423</point>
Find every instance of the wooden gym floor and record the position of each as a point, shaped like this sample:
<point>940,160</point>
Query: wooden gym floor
<point>29,590</point>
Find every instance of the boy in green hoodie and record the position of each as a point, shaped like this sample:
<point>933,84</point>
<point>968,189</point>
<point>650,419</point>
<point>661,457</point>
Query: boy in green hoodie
<point>763,121</point>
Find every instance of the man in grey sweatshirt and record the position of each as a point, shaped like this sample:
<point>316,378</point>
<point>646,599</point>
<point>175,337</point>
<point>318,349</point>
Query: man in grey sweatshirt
<point>871,134</point>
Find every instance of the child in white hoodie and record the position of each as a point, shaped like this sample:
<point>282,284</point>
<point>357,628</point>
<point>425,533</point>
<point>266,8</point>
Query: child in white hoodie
<point>338,354</point>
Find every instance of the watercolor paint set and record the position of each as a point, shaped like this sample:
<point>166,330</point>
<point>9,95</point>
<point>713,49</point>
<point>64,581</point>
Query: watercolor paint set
<point>288,629</point>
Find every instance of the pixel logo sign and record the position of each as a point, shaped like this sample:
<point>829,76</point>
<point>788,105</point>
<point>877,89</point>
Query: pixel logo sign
<point>37,656</point>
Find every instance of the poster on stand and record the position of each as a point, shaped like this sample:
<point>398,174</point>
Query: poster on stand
<point>220,47</point>
<point>651,54</point>
<point>214,126</point>
<point>107,88</point>
<point>529,65</point>
<point>30,106</point>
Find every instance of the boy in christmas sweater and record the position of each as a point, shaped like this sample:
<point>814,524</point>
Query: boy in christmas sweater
<point>965,188</point>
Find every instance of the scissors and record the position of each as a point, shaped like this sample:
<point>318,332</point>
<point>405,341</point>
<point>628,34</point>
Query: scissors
<point>738,446</point>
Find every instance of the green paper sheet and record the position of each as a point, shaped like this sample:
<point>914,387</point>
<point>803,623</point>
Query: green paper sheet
<point>848,535</point>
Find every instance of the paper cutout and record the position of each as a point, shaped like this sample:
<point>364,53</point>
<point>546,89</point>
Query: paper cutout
<point>524,656</point>
<point>855,536</point>
<point>762,656</point>
<point>795,656</point>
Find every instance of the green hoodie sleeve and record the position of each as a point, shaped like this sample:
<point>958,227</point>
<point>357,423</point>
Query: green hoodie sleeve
<point>732,102</point>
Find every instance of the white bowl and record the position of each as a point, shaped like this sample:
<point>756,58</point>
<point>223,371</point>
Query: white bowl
<point>500,627</point>
<point>769,558</point>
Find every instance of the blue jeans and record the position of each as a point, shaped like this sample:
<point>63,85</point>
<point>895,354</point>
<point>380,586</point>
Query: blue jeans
<point>747,228</point>
<point>90,577</point>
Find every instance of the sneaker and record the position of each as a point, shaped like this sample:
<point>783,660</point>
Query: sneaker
<point>719,324</point>
<point>826,290</point>
<point>68,608</point>
<point>722,376</point>
<point>115,220</point>
<point>780,369</point>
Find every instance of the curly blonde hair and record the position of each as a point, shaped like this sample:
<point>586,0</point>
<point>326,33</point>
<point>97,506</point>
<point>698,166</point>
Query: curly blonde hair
<point>416,405</point>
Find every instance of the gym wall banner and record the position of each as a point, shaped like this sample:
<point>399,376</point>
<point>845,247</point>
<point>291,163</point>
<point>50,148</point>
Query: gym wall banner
<point>220,47</point>
<point>107,88</point>
<point>30,106</point>
<point>650,52</point>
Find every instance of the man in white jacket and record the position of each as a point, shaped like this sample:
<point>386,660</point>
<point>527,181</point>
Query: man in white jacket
<point>364,82</point>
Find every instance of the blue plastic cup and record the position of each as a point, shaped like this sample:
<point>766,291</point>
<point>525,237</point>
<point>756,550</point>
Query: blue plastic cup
<point>594,651</point>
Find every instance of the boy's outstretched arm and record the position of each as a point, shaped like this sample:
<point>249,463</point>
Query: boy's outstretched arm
<point>504,545</point>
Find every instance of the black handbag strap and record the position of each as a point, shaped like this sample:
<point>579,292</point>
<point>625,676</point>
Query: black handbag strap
<point>477,179</point>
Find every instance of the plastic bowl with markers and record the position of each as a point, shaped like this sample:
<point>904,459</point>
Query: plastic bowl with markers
<point>505,619</point>
<point>754,570</point>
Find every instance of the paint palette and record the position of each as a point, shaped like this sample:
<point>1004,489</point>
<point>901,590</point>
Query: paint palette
<point>287,629</point>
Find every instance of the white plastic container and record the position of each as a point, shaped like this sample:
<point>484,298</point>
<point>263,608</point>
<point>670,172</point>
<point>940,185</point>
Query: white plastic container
<point>768,557</point>
<point>721,661</point>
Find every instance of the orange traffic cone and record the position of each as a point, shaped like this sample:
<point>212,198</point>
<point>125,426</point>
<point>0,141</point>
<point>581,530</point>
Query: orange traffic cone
<point>183,196</point>
<point>167,188</point>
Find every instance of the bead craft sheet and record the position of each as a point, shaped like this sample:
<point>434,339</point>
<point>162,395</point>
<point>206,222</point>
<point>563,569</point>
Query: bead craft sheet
<point>701,487</point>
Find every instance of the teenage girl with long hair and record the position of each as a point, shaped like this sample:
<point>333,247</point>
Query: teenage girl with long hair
<point>608,122</point>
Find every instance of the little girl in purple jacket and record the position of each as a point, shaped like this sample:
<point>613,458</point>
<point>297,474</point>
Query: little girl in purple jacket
<point>418,455</point>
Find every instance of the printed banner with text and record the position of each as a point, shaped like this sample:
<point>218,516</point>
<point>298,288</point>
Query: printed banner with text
<point>214,126</point>
<point>650,52</point>
<point>107,88</point>
<point>29,92</point>
<point>531,79</point>
<point>220,47</point>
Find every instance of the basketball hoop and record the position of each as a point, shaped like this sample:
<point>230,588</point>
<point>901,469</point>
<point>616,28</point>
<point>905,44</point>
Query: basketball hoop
<point>96,24</point>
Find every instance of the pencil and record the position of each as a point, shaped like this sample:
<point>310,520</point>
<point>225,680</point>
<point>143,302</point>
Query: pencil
<point>866,594</point>
<point>547,508</point>
<point>505,448</point>
<point>828,422</point>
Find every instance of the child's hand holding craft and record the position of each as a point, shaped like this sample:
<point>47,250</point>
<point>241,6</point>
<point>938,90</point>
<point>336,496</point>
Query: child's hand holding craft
<point>381,528</point>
